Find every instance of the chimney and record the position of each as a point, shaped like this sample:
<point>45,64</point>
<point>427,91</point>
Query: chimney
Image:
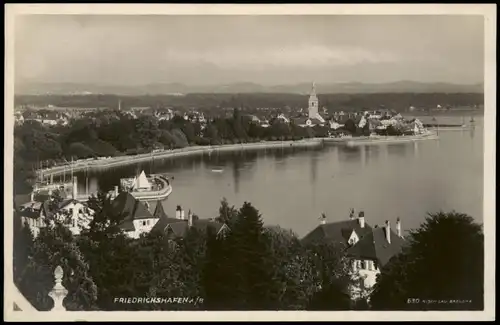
<point>398,227</point>
<point>351,214</point>
<point>388,231</point>
<point>322,219</point>
<point>190,219</point>
<point>179,213</point>
<point>361,219</point>
<point>75,188</point>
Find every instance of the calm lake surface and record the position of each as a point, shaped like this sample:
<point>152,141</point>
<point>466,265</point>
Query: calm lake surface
<point>292,187</point>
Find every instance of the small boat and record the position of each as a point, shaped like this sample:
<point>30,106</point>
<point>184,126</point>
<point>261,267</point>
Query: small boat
<point>217,170</point>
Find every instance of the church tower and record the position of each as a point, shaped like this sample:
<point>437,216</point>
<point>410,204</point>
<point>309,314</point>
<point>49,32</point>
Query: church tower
<point>313,103</point>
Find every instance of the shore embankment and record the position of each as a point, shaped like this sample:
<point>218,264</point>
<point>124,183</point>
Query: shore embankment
<point>107,162</point>
<point>390,139</point>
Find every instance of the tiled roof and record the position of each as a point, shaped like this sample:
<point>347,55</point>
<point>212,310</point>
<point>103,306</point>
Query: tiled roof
<point>21,199</point>
<point>179,227</point>
<point>299,120</point>
<point>339,231</point>
<point>316,121</point>
<point>33,209</point>
<point>159,212</point>
<point>67,202</point>
<point>131,208</point>
<point>374,246</point>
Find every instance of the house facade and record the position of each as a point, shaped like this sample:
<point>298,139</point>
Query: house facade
<point>137,219</point>
<point>75,215</point>
<point>368,248</point>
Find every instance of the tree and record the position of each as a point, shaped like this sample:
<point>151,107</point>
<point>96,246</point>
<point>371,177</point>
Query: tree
<point>292,272</point>
<point>80,150</point>
<point>238,270</point>
<point>332,276</point>
<point>444,260</point>
<point>350,126</point>
<point>36,260</point>
<point>227,214</point>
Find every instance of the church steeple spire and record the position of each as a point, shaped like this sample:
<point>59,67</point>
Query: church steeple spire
<point>313,89</point>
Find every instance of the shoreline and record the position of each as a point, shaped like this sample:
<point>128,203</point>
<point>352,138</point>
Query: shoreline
<point>391,139</point>
<point>103,163</point>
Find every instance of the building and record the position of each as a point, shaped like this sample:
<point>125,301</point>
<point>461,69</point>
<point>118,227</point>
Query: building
<point>369,248</point>
<point>75,215</point>
<point>313,105</point>
<point>136,217</point>
<point>307,122</point>
<point>177,227</point>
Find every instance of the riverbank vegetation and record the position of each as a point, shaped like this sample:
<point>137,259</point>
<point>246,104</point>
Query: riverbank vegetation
<point>251,267</point>
<point>112,133</point>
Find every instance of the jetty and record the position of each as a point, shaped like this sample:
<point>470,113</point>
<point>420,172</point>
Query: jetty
<point>152,188</point>
<point>374,140</point>
<point>144,188</point>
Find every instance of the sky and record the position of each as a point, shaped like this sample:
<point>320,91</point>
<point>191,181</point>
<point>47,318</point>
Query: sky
<point>269,50</point>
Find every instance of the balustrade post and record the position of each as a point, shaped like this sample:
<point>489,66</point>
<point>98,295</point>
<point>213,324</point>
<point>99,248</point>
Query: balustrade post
<point>58,293</point>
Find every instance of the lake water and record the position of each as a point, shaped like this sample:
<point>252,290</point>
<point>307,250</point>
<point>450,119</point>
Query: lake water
<point>292,187</point>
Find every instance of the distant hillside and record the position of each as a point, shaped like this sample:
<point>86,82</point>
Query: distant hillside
<point>397,101</point>
<point>244,87</point>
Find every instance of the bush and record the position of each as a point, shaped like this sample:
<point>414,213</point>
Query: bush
<point>80,150</point>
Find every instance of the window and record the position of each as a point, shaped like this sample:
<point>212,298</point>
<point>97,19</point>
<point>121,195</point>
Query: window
<point>80,211</point>
<point>363,265</point>
<point>147,222</point>
<point>144,223</point>
<point>358,264</point>
<point>70,210</point>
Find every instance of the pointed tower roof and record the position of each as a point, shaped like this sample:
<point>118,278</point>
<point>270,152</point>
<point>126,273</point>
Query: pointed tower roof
<point>159,212</point>
<point>141,182</point>
<point>313,89</point>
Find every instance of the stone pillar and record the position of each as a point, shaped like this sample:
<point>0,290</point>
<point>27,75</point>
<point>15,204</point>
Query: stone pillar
<point>58,293</point>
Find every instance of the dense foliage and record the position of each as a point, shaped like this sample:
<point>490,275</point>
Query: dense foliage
<point>249,267</point>
<point>442,268</point>
<point>112,133</point>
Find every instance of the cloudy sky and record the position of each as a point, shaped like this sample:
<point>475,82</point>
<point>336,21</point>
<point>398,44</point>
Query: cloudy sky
<point>201,50</point>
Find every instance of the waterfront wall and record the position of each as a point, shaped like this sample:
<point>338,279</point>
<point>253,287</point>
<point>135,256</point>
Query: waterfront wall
<point>127,160</point>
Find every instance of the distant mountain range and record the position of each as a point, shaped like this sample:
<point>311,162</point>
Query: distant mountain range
<point>245,87</point>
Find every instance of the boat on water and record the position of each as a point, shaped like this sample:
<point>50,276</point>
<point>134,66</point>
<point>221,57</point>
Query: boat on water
<point>146,188</point>
<point>217,170</point>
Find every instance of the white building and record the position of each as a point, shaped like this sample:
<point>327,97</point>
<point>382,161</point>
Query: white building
<point>137,218</point>
<point>369,248</point>
<point>74,215</point>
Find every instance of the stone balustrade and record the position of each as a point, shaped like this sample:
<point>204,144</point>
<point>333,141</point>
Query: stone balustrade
<point>58,294</point>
